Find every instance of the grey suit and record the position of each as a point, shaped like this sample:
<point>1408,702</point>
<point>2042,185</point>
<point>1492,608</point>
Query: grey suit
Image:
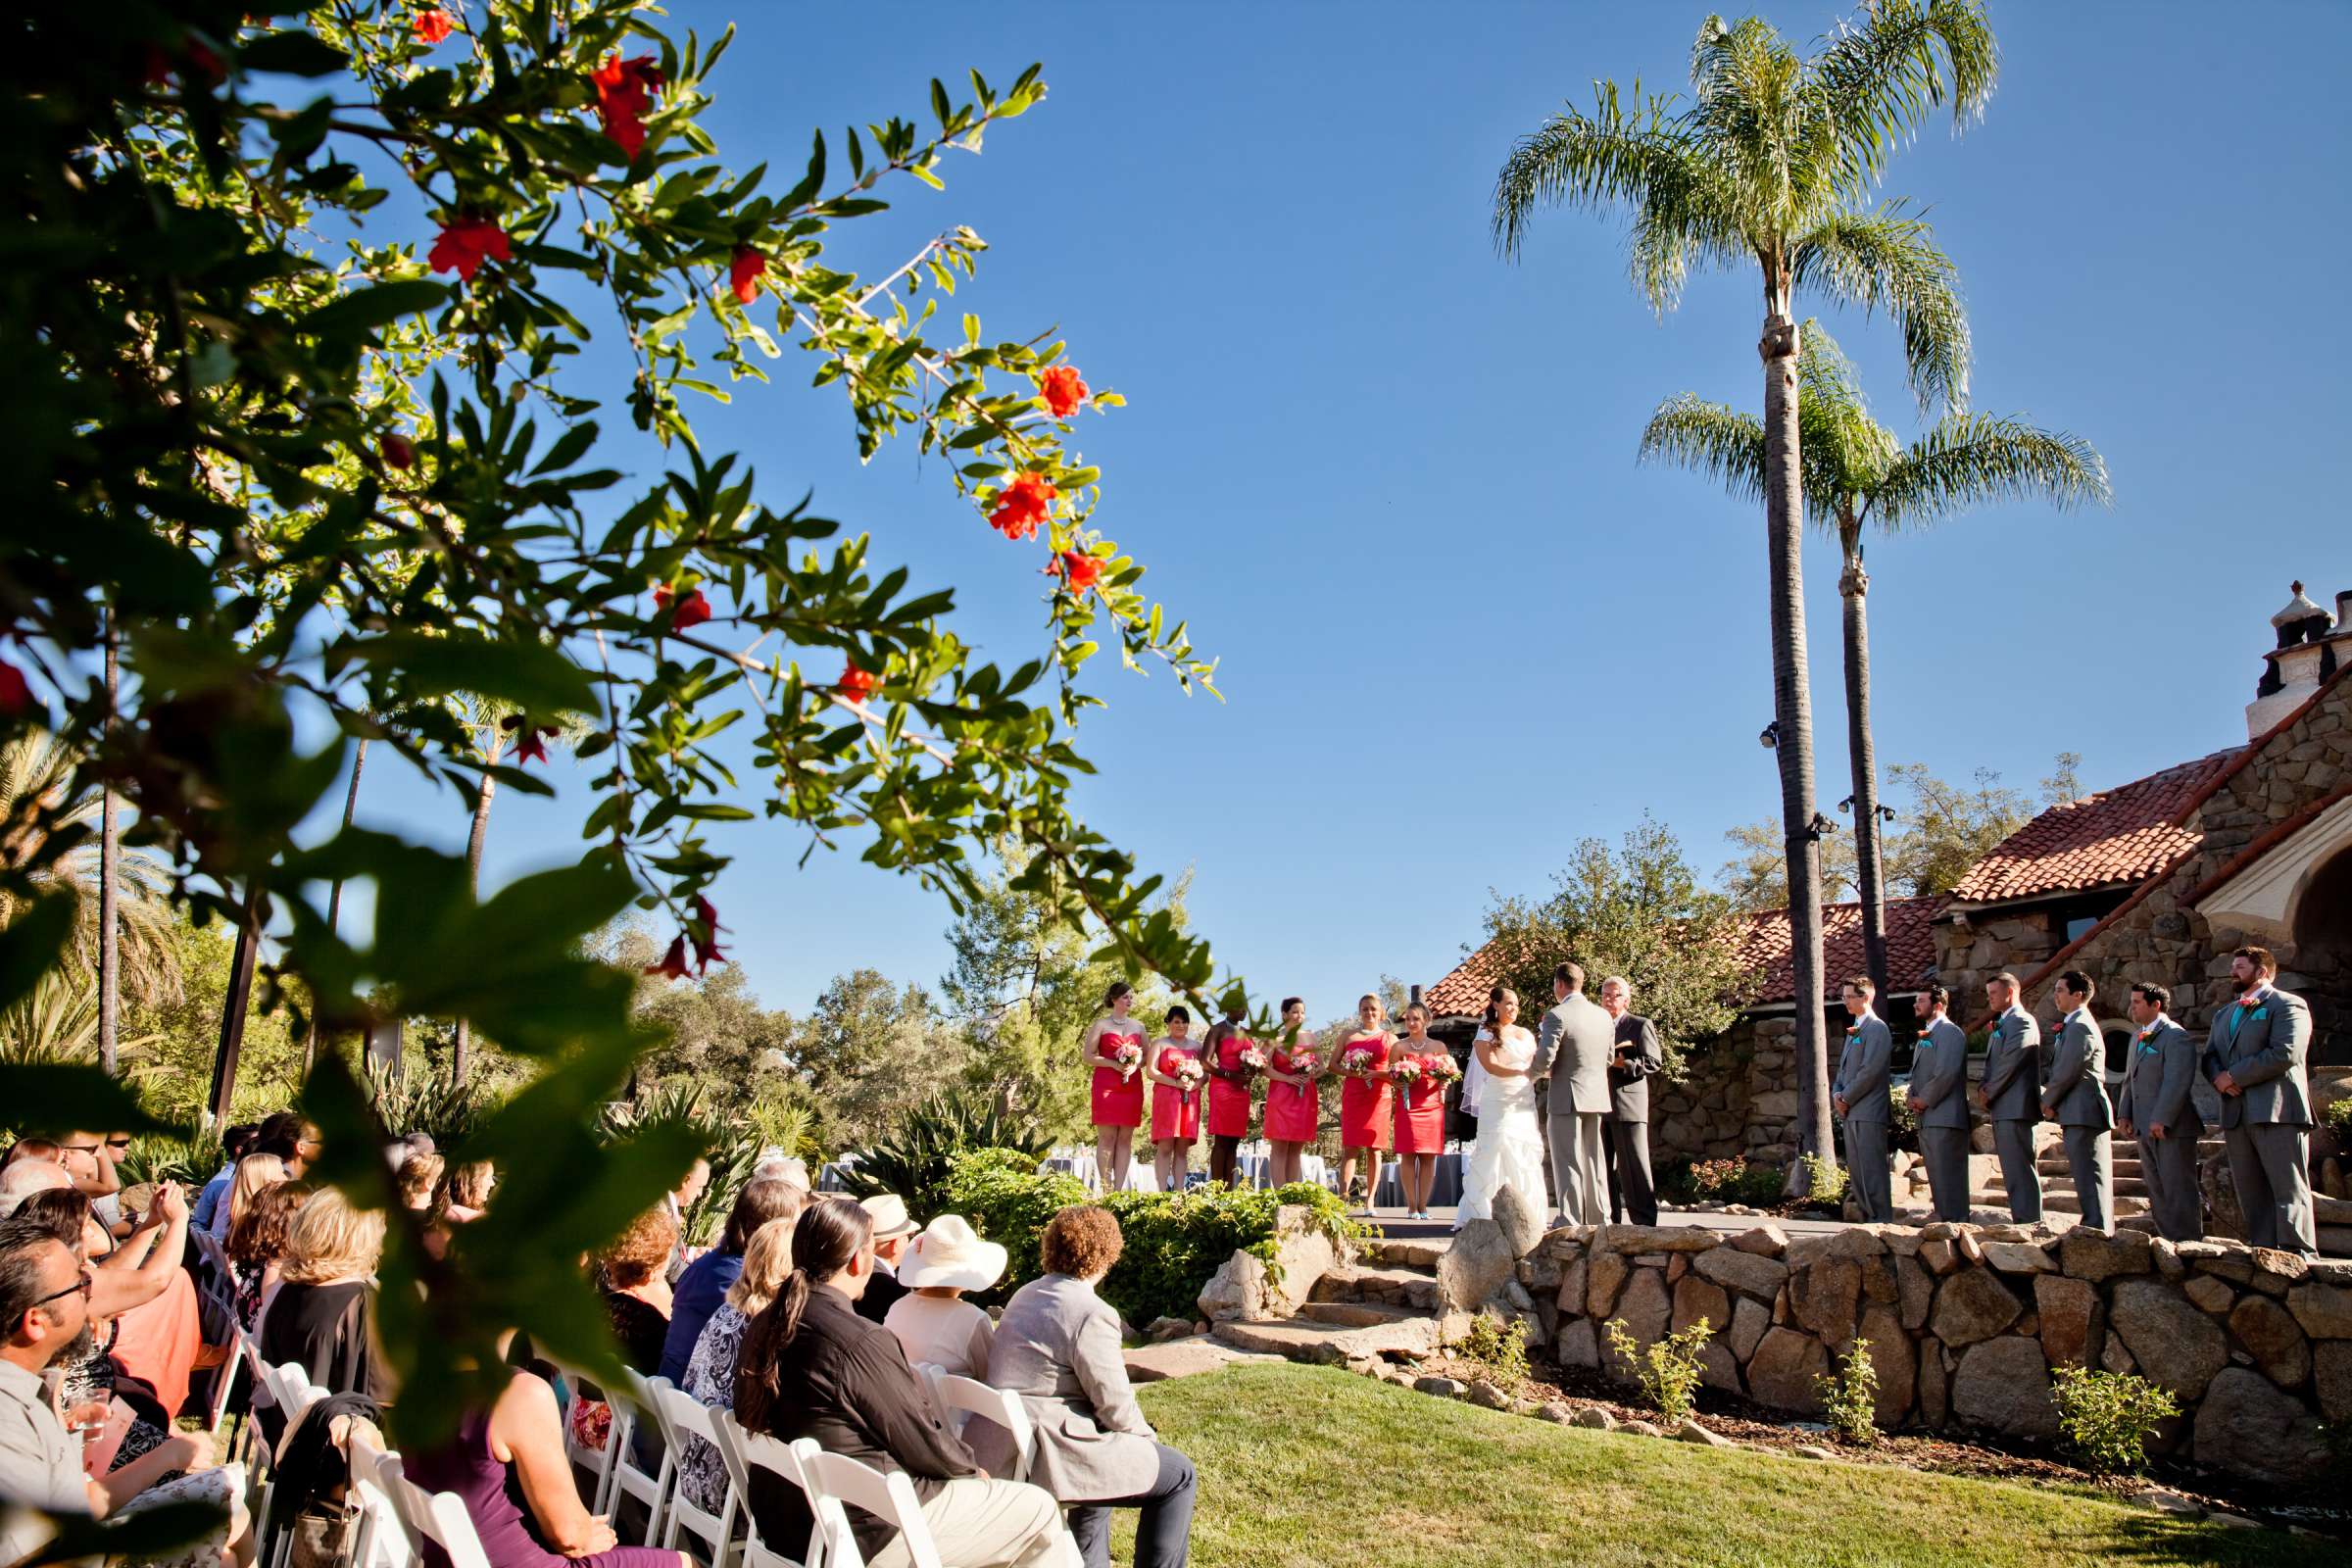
<point>2077,1090</point>
<point>1573,1047</point>
<point>2012,1089</point>
<point>1861,1082</point>
<point>1939,1082</point>
<point>1057,1348</point>
<point>2260,1040</point>
<point>2155,1093</point>
<point>1627,1151</point>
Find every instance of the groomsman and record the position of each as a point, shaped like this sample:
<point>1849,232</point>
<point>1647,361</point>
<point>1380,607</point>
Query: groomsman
<point>1859,1095</point>
<point>1574,1047</point>
<point>1940,1100</point>
<point>2075,1099</point>
<point>1626,1152</point>
<point>2153,1104</point>
<point>2254,1055</point>
<point>2011,1094</point>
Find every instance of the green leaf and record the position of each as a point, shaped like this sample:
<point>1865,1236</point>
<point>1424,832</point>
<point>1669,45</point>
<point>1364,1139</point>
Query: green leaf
<point>533,676</point>
<point>567,448</point>
<point>364,309</point>
<point>67,1096</point>
<point>32,943</point>
<point>293,54</point>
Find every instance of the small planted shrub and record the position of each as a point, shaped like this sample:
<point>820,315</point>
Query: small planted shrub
<point>1668,1371</point>
<point>1825,1180</point>
<point>1850,1397</point>
<point>2108,1417</point>
<point>1498,1349</point>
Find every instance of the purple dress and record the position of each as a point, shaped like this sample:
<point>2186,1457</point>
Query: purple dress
<point>492,1493</point>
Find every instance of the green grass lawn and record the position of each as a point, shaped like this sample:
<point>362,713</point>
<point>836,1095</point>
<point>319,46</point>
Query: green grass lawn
<point>1313,1466</point>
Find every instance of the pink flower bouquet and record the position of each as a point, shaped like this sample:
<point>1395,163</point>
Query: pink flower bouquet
<point>1360,1061</point>
<point>1441,1066</point>
<point>1128,1058</point>
<point>1407,1071</point>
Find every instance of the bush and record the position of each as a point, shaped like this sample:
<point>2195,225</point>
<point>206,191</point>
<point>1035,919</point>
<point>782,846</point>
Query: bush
<point>1902,1122</point>
<point>1824,1179</point>
<point>1850,1398</point>
<point>2338,1117</point>
<point>1497,1348</point>
<point>2108,1417</point>
<point>1732,1180</point>
<point>1668,1370</point>
<point>914,1163</point>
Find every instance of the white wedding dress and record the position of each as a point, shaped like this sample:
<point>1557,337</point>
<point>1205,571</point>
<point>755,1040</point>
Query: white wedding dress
<point>1510,1136</point>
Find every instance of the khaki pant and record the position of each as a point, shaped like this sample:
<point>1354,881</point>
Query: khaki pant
<point>981,1523</point>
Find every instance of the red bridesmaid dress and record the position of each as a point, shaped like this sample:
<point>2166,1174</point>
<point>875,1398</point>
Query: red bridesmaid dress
<point>1421,1111</point>
<point>1292,1112</point>
<point>1367,1105</point>
<point>1119,1097</point>
<point>1227,1102</point>
<point>1174,1113</point>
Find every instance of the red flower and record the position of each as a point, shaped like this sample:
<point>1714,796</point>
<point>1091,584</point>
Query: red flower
<point>1078,570</point>
<point>1063,390</point>
<point>15,697</point>
<point>857,684</point>
<point>1022,505</point>
<point>432,25</point>
<point>530,739</point>
<point>705,946</point>
<point>397,451</point>
<point>673,963</point>
<point>745,272</point>
<point>206,64</point>
<point>464,244</point>
<point>159,69</point>
<point>624,96</point>
<point>693,610</point>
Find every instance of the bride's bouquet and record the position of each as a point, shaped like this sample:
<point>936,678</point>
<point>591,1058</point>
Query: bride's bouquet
<point>1360,1061</point>
<point>1441,1067</point>
<point>1128,1058</point>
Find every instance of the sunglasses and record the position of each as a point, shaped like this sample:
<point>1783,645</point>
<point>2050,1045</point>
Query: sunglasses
<point>118,1143</point>
<point>81,1287</point>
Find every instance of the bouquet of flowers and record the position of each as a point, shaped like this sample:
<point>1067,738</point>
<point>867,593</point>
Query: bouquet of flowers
<point>1306,1063</point>
<point>1128,1058</point>
<point>1440,1066</point>
<point>1360,1061</point>
<point>1252,1059</point>
<point>1406,1071</point>
<point>1185,1068</point>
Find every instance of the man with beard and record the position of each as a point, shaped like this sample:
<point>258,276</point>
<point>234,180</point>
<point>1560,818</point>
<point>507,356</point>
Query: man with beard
<point>2254,1055</point>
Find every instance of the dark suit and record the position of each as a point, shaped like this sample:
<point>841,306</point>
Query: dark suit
<point>1627,1151</point>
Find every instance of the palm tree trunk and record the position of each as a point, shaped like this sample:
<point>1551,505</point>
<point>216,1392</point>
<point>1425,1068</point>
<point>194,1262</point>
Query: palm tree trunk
<point>491,749</point>
<point>334,898</point>
<point>1792,711</point>
<point>110,870</point>
<point>232,1010</point>
<point>1853,586</point>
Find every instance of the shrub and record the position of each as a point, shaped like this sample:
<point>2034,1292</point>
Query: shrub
<point>2338,1117</point>
<point>915,1162</point>
<point>2108,1417</point>
<point>1668,1371</point>
<point>1733,1181</point>
<point>1824,1179</point>
<point>1497,1348</point>
<point>1902,1122</point>
<point>1850,1398</point>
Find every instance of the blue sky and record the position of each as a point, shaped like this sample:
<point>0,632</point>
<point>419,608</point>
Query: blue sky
<point>1390,478</point>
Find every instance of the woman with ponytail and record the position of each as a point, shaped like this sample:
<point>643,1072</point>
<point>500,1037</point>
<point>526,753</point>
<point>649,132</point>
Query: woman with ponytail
<point>811,1367</point>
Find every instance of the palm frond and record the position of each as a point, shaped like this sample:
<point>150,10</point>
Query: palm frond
<point>1970,460</point>
<point>1877,83</point>
<point>1842,451</point>
<point>1889,259</point>
<point>1712,439</point>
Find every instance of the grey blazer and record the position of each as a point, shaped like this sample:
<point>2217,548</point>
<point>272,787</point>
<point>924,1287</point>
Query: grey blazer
<point>1573,1047</point>
<point>2013,1068</point>
<point>2263,1047</point>
<point>2154,1092</point>
<point>2078,1082</point>
<point>1057,1346</point>
<point>1862,1067</point>
<point>1939,1074</point>
<point>1629,1086</point>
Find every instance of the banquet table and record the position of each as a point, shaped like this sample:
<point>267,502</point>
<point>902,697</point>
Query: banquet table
<point>1445,1192</point>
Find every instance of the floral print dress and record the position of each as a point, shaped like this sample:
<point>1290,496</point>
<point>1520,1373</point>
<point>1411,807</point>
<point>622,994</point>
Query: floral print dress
<point>711,1379</point>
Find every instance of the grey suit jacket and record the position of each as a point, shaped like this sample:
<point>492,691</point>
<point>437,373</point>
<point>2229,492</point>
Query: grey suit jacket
<point>2013,1068</point>
<point>2154,1092</point>
<point>1629,1086</point>
<point>1862,1067</point>
<point>1939,1074</point>
<point>1573,1046</point>
<point>2263,1048</point>
<point>2078,1086</point>
<point>1057,1346</point>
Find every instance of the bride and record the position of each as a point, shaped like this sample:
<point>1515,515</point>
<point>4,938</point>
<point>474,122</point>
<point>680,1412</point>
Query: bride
<point>1510,1137</point>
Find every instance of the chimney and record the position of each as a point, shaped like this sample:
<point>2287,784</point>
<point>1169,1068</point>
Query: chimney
<point>2309,644</point>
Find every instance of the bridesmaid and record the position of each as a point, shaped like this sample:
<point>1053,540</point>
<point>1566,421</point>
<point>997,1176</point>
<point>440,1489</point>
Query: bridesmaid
<point>1228,1095</point>
<point>1420,1114</point>
<point>1175,1105</point>
<point>1367,1103</point>
<point>1119,1097</point>
<point>1293,1110</point>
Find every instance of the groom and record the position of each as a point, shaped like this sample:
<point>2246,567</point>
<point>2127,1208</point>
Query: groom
<point>1574,1047</point>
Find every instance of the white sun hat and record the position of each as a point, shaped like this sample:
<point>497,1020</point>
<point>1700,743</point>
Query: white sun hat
<point>950,1254</point>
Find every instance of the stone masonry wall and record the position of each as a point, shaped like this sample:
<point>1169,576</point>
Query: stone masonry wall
<point>1965,1324</point>
<point>1740,1098</point>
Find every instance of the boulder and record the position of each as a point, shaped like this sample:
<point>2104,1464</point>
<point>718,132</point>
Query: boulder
<point>2248,1428</point>
<point>1822,1297</point>
<point>2018,1257</point>
<point>2324,1310</point>
<point>1690,1431</point>
<point>1640,1239</point>
<point>1595,1417</point>
<point>1935,1385</point>
<point>2072,1317</point>
<point>1520,1218</point>
<point>1644,1311</point>
<point>2278,1347</point>
<point>1854,1241</point>
<point>1572,1287</point>
<point>1578,1343</point>
<point>1765,1241</point>
<point>2275,1271</point>
<point>1915,1290</point>
<point>1781,1373</point>
<point>1487,1396</point>
<point>1239,1288</point>
<point>1556,1414</point>
<point>1939,1254</point>
<point>2095,1255</point>
<point>1604,1277</point>
<point>1717,1369</point>
<point>2332,1378</point>
<point>2117,1356</point>
<point>1696,1298</point>
<point>2212,1294</point>
<point>1973,1305</point>
<point>2173,1342</point>
<point>1812,1451</point>
<point>1891,1356</point>
<point>1639,1429</point>
<point>1737,1269</point>
<point>1165,1329</point>
<point>1443,1388</point>
<point>1475,1266</point>
<point>2005,1384</point>
<point>1303,1255</point>
<point>1749,1319</point>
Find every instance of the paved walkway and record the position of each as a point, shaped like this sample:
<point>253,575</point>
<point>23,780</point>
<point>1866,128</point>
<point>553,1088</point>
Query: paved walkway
<point>1440,1223</point>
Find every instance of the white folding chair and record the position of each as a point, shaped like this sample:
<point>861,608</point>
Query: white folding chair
<point>965,1397</point>
<point>743,1451</point>
<point>379,1540</point>
<point>595,1463</point>
<point>635,1404</point>
<point>836,1482</point>
<point>296,1394</point>
<point>686,1420</point>
<point>436,1516</point>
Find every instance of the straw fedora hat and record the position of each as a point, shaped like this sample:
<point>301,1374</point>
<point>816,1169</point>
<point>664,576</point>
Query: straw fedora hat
<point>950,1253</point>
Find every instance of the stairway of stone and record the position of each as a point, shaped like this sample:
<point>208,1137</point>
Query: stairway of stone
<point>2058,1195</point>
<point>1381,1306</point>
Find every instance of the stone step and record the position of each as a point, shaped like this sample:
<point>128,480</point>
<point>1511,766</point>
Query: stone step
<point>2069,1203</point>
<point>1379,1284</point>
<point>1356,1314</point>
<point>2059,1167</point>
<point>1329,1343</point>
<point>2134,1186</point>
<point>1411,1251</point>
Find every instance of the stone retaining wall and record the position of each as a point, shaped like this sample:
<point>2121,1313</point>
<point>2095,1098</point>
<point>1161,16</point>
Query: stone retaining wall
<point>1965,1323</point>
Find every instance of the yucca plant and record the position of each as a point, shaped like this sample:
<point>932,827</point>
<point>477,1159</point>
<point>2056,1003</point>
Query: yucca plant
<point>915,1162</point>
<point>731,1147</point>
<point>427,1102</point>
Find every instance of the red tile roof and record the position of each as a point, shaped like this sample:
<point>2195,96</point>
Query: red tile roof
<point>2119,836</point>
<point>1462,994</point>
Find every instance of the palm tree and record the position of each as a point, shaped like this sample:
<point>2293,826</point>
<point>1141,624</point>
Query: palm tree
<point>41,797</point>
<point>1769,166</point>
<point>1857,476</point>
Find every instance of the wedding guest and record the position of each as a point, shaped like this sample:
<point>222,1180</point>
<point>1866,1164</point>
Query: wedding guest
<point>1057,1348</point>
<point>933,1321</point>
<point>635,1292</point>
<point>417,1178</point>
<point>257,1247</point>
<point>90,1160</point>
<point>709,1277</point>
<point>1420,1114</point>
<point>1626,1153</point>
<point>1367,1100</point>
<point>1229,1094</point>
<point>235,1145</point>
<point>1939,1098</point>
<point>142,1274</point>
<point>710,1374</point>
<point>2075,1099</point>
<point>2254,1054</point>
<point>1294,1109</point>
<point>1175,1101</point>
<point>2154,1105</point>
<point>2011,1095</point>
<point>1118,1087</point>
<point>811,1367</point>
<point>324,1314</point>
<point>460,1200</point>
<point>893,1229</point>
<point>1859,1095</point>
<point>254,1172</point>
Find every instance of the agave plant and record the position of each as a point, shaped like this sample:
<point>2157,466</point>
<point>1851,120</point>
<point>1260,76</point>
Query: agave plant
<point>56,1021</point>
<point>913,1163</point>
<point>429,1103</point>
<point>731,1147</point>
